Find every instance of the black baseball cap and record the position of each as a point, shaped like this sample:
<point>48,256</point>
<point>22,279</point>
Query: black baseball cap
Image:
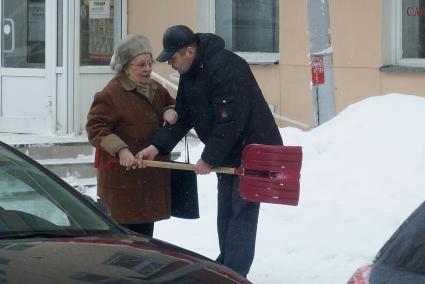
<point>175,38</point>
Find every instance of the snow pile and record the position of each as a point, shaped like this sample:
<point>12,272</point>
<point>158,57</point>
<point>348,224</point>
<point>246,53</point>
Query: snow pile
<point>362,175</point>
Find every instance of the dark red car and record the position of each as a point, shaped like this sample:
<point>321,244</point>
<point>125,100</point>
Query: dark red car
<point>51,233</point>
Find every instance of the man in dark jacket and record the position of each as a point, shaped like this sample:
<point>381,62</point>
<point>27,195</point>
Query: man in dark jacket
<point>219,97</point>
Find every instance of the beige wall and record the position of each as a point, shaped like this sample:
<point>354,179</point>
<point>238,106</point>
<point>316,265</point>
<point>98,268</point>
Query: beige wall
<point>356,35</point>
<point>293,33</point>
<point>151,18</point>
<point>356,40</point>
<point>295,73</point>
<point>355,84</point>
<point>405,83</point>
<point>268,79</point>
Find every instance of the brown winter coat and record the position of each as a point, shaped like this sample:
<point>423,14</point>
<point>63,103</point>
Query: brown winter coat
<point>120,117</point>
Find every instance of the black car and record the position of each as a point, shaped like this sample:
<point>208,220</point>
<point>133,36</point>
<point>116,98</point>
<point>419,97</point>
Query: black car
<point>51,233</point>
<point>402,258</point>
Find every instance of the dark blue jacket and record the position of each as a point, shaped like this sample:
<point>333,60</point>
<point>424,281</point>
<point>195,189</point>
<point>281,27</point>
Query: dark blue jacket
<point>221,99</point>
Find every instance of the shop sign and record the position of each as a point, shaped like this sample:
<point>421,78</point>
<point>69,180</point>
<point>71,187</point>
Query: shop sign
<point>99,9</point>
<point>415,11</point>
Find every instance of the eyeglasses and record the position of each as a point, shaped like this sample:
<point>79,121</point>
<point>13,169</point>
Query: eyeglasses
<point>143,65</point>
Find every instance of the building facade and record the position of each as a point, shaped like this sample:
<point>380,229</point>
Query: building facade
<point>55,53</point>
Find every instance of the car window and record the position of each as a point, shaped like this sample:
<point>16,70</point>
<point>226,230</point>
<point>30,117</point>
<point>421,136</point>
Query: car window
<point>31,200</point>
<point>405,250</point>
<point>17,194</point>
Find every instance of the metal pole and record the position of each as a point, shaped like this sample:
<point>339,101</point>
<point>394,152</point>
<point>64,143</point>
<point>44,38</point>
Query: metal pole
<point>321,52</point>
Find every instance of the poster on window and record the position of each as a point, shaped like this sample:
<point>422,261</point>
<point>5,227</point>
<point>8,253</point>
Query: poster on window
<point>99,9</point>
<point>36,16</point>
<point>36,31</point>
<point>101,31</point>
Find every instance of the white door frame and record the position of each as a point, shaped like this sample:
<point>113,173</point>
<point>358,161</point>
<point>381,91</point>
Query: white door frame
<point>51,59</point>
<point>62,115</point>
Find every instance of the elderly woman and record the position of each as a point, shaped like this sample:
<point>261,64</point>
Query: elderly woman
<point>122,120</point>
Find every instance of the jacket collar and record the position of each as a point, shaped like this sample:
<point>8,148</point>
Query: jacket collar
<point>128,85</point>
<point>208,46</point>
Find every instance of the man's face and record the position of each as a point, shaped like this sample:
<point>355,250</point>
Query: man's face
<point>182,59</point>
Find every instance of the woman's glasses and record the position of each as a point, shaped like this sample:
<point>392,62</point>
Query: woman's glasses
<point>143,65</point>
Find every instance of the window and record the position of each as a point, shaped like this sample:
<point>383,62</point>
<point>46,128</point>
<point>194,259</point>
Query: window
<point>100,29</point>
<point>31,200</point>
<point>413,29</point>
<point>404,33</point>
<point>23,37</point>
<point>250,28</point>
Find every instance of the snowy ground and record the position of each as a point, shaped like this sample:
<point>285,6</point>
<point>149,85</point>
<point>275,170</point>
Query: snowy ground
<point>363,174</point>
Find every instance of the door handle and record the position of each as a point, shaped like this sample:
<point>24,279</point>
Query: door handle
<point>12,27</point>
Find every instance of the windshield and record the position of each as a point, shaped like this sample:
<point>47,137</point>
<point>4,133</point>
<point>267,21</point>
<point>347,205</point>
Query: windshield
<point>33,202</point>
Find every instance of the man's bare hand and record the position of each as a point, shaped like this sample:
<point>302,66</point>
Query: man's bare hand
<point>202,168</point>
<point>149,153</point>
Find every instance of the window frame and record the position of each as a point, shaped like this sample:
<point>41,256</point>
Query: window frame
<point>206,23</point>
<point>98,69</point>
<point>392,37</point>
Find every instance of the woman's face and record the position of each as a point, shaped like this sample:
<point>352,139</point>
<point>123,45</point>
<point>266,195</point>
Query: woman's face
<point>140,68</point>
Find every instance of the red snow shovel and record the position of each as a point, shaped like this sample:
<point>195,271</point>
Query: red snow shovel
<point>267,173</point>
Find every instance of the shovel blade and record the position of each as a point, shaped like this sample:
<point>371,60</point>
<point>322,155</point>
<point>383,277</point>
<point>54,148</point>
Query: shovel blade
<point>271,174</point>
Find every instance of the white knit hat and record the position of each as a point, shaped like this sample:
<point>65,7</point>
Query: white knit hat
<point>128,48</point>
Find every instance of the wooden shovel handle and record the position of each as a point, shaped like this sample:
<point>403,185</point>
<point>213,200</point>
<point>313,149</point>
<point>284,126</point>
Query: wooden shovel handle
<point>187,167</point>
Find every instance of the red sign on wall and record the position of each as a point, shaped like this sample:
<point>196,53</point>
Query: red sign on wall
<point>317,70</point>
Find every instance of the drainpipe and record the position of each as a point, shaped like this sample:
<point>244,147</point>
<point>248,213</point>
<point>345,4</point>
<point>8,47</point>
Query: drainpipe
<point>323,91</point>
